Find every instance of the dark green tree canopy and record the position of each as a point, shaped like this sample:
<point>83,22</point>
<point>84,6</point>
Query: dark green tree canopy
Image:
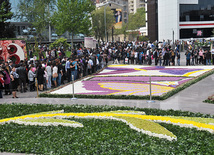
<point>99,24</point>
<point>73,16</point>
<point>6,31</point>
<point>36,12</point>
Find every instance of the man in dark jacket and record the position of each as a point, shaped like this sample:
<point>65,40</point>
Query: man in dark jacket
<point>22,77</point>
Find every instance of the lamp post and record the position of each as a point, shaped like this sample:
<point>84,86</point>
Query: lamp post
<point>105,18</point>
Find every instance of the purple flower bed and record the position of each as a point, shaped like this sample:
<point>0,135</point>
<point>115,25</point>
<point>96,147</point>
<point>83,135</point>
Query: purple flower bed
<point>123,88</point>
<point>180,71</point>
<point>136,78</point>
<point>161,69</point>
<point>174,71</point>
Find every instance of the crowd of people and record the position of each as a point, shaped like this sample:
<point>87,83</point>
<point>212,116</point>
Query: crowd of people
<point>51,68</point>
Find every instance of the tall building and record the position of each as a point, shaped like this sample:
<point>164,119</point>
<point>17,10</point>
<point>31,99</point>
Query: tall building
<point>135,4</point>
<point>180,19</point>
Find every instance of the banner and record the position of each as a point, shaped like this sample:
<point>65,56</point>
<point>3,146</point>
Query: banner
<point>14,50</point>
<point>118,18</point>
<point>88,42</point>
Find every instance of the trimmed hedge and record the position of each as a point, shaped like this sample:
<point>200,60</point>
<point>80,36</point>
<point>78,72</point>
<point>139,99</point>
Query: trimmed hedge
<point>147,97</point>
<point>97,136</point>
<point>209,101</point>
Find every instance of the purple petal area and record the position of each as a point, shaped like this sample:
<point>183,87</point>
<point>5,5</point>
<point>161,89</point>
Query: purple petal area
<point>176,71</point>
<point>136,78</point>
<point>121,88</point>
<point>183,81</point>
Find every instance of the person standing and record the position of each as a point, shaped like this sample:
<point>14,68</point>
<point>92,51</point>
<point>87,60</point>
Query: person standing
<point>15,80</point>
<point>49,74</point>
<point>68,69</point>
<point>178,58</point>
<point>208,58</point>
<point>160,57</point>
<point>188,57</point>
<point>72,66</point>
<point>60,73</point>
<point>40,77</point>
<point>31,78</point>
<point>6,81</point>
<point>21,71</point>
<point>1,83</point>
<point>201,52</point>
<point>55,74</point>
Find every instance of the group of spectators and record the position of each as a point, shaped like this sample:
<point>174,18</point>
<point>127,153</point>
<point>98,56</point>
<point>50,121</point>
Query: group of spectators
<point>51,68</point>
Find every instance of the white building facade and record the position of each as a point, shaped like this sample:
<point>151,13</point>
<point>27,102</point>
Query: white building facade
<point>185,19</point>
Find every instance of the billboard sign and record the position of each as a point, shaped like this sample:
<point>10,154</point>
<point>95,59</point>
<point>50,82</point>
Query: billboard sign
<point>118,18</point>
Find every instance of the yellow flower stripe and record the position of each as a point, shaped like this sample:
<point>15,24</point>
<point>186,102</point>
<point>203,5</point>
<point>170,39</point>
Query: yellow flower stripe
<point>145,117</point>
<point>188,74</point>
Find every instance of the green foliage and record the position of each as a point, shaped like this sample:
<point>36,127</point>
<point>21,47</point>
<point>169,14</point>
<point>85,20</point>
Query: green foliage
<point>73,16</point>
<point>5,11</point>
<point>143,38</point>
<point>97,136</point>
<point>36,12</point>
<point>6,31</point>
<point>209,101</point>
<point>60,42</point>
<point>137,20</point>
<point>98,24</point>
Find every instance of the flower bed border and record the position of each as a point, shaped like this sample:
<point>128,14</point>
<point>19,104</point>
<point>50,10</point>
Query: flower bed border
<point>147,97</point>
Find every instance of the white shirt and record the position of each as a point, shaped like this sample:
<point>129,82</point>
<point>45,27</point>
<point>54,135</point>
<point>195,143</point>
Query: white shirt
<point>55,70</point>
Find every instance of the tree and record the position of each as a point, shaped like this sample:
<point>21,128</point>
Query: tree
<point>137,20</point>
<point>73,16</point>
<point>6,31</point>
<point>36,12</point>
<point>60,42</point>
<point>98,25</point>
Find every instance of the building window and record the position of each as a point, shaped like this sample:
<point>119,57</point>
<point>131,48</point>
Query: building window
<point>197,12</point>
<point>196,33</point>
<point>187,18</point>
<point>201,17</point>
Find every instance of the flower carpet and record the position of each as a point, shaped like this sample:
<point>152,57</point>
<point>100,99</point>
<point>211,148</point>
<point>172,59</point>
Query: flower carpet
<point>134,80</point>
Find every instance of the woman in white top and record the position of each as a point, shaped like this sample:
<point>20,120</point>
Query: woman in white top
<point>55,74</point>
